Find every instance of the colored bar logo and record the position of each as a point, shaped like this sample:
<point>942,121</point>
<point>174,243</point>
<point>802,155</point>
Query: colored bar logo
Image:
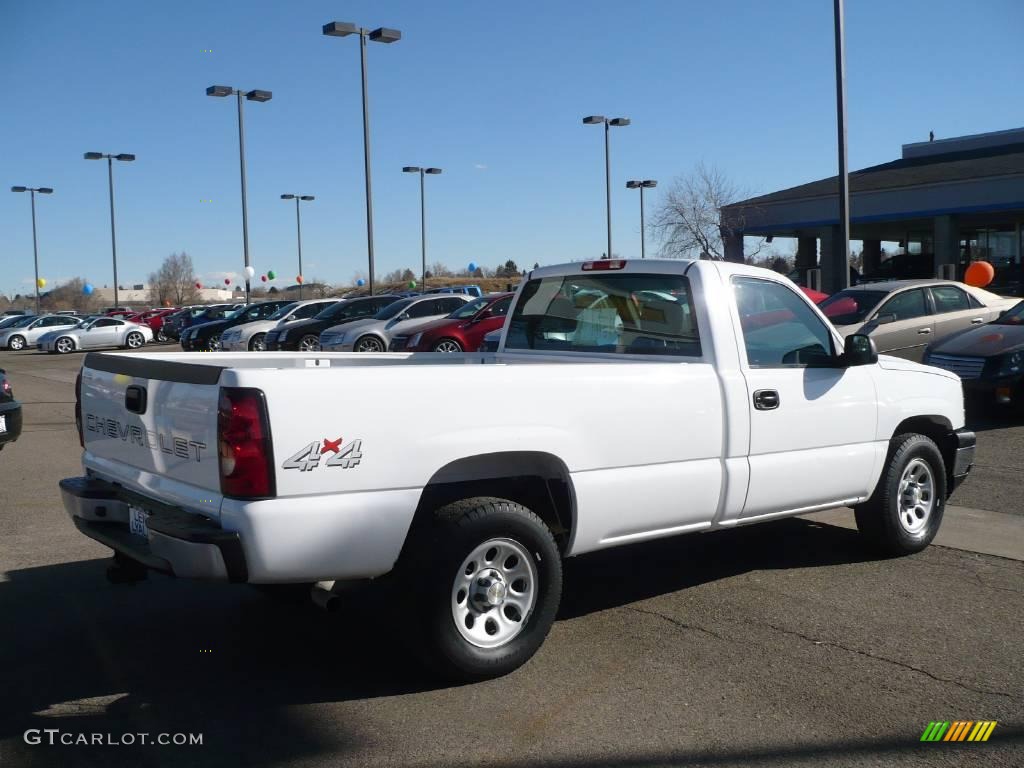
<point>959,730</point>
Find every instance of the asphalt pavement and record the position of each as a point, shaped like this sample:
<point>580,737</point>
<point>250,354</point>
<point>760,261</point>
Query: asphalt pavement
<point>779,644</point>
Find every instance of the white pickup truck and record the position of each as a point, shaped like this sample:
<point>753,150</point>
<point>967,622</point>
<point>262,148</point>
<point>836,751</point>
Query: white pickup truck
<point>660,398</point>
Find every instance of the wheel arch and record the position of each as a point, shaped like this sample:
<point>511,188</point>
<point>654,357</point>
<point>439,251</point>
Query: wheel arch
<point>359,337</point>
<point>940,430</point>
<point>538,480</point>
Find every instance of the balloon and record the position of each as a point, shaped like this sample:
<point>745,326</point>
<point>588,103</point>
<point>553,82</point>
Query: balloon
<point>979,274</point>
<point>87,289</point>
<point>227,281</point>
<point>360,282</point>
<point>249,273</point>
<point>263,278</point>
<point>412,283</point>
<point>298,279</point>
<point>199,285</point>
<point>271,274</point>
<point>41,282</point>
<point>472,266</point>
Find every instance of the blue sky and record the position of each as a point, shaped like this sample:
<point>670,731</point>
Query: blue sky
<point>491,92</point>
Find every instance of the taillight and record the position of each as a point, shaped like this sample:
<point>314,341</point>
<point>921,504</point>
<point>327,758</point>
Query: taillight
<point>589,266</point>
<point>78,408</point>
<point>244,447</point>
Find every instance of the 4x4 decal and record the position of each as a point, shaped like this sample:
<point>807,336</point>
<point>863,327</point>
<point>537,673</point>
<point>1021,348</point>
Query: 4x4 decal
<point>345,456</point>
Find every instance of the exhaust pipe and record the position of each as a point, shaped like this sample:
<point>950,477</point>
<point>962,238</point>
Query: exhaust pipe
<point>323,595</point>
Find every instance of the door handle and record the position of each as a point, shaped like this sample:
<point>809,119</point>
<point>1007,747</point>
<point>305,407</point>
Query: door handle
<point>977,321</point>
<point>924,331</point>
<point>766,399</point>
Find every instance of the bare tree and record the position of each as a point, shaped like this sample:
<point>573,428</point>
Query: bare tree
<point>70,295</point>
<point>690,219</point>
<point>439,269</point>
<point>174,282</point>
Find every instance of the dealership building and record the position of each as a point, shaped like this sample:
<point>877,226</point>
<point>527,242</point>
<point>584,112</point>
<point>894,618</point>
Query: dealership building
<point>950,201</point>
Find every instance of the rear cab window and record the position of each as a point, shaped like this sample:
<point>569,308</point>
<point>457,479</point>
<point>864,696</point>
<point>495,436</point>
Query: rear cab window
<point>634,314</point>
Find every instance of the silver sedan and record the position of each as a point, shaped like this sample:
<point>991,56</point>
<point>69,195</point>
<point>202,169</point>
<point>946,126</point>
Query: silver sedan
<point>101,332</point>
<point>374,333</point>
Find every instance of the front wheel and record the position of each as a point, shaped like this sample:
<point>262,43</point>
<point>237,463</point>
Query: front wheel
<point>16,343</point>
<point>447,345</point>
<point>905,511</point>
<point>63,345</point>
<point>369,344</point>
<point>161,336</point>
<point>309,343</point>
<point>258,343</point>
<point>134,340</point>
<point>213,345</point>
<point>491,577</point>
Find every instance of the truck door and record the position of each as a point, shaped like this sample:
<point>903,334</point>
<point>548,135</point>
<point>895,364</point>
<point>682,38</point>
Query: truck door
<point>812,423</point>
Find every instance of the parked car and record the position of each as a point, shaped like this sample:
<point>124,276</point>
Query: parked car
<point>205,337</point>
<point>468,290</point>
<point>24,335</point>
<point>491,341</point>
<point>903,266</point>
<point>179,322</point>
<point>304,335</point>
<point>154,318</point>
<point>10,412</point>
<point>461,331</point>
<point>989,359</point>
<point>97,333</point>
<point>253,336</point>
<point>118,311</point>
<point>904,316</point>
<point>7,312</point>
<point>8,320</point>
<point>373,334</point>
<point>667,413</point>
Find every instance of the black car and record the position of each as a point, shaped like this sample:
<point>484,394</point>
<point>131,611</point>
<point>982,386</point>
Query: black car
<point>186,317</point>
<point>205,337</point>
<point>989,359</point>
<point>305,336</point>
<point>10,412</point>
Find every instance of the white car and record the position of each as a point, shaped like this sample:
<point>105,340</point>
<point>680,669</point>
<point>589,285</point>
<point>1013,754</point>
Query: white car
<point>374,334</point>
<point>696,396</point>
<point>25,334</point>
<point>96,334</point>
<point>253,336</point>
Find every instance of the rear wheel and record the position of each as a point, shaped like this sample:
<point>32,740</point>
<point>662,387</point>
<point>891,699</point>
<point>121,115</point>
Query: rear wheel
<point>369,344</point>
<point>63,345</point>
<point>309,343</point>
<point>905,511</point>
<point>134,340</point>
<point>258,343</point>
<point>447,345</point>
<point>16,343</point>
<point>491,579</point>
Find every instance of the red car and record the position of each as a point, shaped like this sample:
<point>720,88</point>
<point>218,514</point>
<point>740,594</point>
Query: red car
<point>462,330</point>
<point>154,318</point>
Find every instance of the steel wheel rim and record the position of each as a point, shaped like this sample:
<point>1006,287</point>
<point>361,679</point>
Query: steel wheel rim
<point>259,344</point>
<point>916,500</point>
<point>134,340</point>
<point>494,592</point>
<point>447,346</point>
<point>369,344</point>
<point>16,343</point>
<point>309,344</point>
<point>64,345</point>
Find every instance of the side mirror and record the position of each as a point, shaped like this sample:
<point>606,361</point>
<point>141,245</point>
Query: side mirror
<point>859,349</point>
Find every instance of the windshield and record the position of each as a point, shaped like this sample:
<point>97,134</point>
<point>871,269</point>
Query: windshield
<point>23,321</point>
<point>636,314</point>
<point>851,306</point>
<point>1013,316</point>
<point>469,309</point>
<point>282,311</point>
<point>393,309</point>
<point>237,313</point>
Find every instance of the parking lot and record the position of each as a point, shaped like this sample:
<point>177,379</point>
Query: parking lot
<point>780,644</point>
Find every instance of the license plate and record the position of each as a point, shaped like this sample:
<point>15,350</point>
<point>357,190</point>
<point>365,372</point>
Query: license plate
<point>137,522</point>
<point>3,424</point>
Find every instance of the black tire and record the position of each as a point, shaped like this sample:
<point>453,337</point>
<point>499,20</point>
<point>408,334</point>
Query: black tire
<point>57,346</point>
<point>134,340</point>
<point>309,343</point>
<point>437,557</point>
<point>448,345</point>
<point>884,520</point>
<point>258,343</point>
<point>162,337</point>
<point>16,343</point>
<point>213,343</point>
<point>369,343</point>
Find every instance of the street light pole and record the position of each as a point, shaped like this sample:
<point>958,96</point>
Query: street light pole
<point>35,243</point>
<point>379,35</point>
<point>298,229</point>
<point>254,95</point>
<point>110,186</point>
<point>642,185</point>
<point>608,124</point>
<point>842,279</point>
<point>423,215</point>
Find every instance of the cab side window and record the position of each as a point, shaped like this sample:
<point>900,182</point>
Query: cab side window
<point>779,329</point>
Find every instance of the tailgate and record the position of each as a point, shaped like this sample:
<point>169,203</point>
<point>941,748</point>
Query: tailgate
<point>152,425</point>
